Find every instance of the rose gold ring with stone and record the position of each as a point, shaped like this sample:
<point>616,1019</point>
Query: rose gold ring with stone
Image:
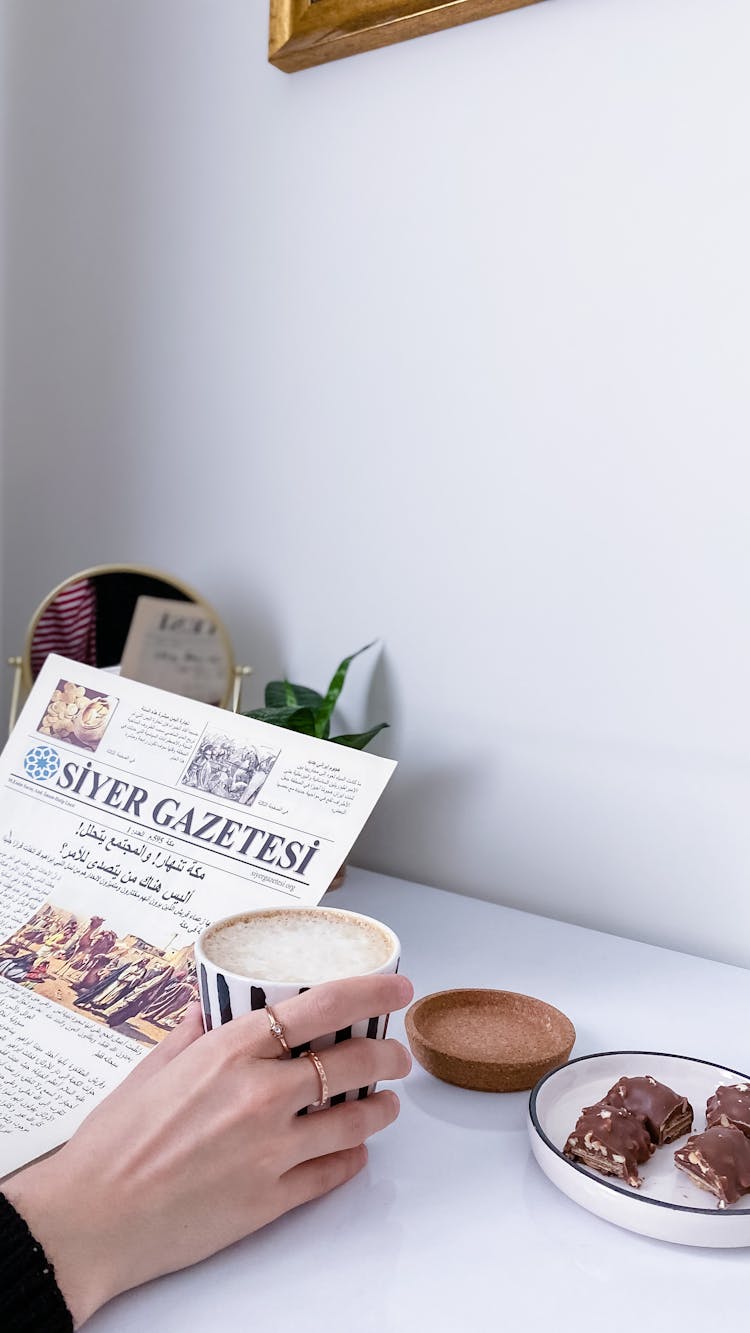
<point>277,1029</point>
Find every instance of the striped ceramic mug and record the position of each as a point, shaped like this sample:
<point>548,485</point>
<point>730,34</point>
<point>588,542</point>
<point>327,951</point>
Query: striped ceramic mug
<point>260,957</point>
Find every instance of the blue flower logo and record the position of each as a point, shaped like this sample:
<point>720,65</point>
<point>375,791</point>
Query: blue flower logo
<point>41,763</point>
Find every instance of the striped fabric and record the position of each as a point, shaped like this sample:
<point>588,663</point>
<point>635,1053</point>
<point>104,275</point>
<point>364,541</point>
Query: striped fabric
<point>68,626</point>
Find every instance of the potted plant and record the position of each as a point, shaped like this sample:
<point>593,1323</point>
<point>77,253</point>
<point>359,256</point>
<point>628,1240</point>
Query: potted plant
<point>300,708</point>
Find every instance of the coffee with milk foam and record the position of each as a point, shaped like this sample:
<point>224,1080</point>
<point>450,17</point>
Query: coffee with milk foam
<point>306,947</point>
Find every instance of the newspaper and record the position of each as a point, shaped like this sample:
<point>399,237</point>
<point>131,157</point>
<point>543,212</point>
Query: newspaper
<point>130,819</point>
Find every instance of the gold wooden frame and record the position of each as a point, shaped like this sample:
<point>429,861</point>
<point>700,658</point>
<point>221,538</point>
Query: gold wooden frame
<point>24,679</point>
<point>311,32</point>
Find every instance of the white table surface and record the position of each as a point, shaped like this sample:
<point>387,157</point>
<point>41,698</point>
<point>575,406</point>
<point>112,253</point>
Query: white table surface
<point>452,1225</point>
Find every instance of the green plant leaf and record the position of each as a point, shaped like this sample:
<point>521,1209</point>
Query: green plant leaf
<point>358,742</point>
<point>275,695</point>
<point>282,694</point>
<point>323,714</point>
<point>294,719</point>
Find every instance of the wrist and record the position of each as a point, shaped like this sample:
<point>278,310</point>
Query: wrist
<point>30,1297</point>
<point>51,1207</point>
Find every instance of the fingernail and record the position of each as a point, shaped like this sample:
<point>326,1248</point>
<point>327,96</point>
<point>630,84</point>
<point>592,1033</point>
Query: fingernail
<point>406,990</point>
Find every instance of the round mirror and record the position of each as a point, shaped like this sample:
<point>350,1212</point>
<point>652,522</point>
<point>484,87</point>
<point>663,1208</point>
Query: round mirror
<point>138,622</point>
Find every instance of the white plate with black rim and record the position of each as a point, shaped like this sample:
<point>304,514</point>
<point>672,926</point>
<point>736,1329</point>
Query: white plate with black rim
<point>667,1206</point>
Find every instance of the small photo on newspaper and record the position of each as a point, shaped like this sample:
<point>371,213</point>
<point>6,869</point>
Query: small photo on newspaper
<point>76,715</point>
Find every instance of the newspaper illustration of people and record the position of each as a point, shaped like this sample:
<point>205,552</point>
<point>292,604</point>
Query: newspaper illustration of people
<point>221,767</point>
<point>82,964</point>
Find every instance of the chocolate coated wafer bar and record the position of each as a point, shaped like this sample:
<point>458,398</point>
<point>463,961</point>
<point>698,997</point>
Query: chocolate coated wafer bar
<point>666,1115</point>
<point>730,1105</point>
<point>611,1141</point>
<point>718,1160</point>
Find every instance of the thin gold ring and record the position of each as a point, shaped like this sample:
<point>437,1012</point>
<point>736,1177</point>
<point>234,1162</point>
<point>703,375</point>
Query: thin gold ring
<point>277,1029</point>
<point>313,1055</point>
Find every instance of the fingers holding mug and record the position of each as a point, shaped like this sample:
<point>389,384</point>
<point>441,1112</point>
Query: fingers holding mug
<point>335,1007</point>
<point>344,1127</point>
<point>332,1071</point>
<point>318,1176</point>
<point>279,980</point>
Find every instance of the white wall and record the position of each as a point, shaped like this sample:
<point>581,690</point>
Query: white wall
<point>447,344</point>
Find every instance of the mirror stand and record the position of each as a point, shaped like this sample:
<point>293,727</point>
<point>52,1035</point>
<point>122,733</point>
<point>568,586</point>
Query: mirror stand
<point>16,663</point>
<point>141,622</point>
<point>241,674</point>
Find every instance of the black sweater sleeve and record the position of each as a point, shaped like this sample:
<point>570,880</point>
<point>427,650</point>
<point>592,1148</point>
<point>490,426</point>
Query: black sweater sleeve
<point>30,1299</point>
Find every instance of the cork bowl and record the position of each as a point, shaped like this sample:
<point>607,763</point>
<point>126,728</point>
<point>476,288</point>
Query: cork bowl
<point>490,1040</point>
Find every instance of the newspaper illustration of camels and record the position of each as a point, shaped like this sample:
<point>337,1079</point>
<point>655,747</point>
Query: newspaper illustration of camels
<point>122,981</point>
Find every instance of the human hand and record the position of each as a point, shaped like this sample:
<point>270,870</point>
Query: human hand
<point>201,1144</point>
